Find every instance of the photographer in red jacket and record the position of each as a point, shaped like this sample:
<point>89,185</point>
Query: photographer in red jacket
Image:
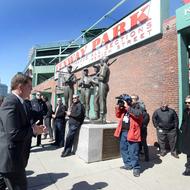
<point>129,132</point>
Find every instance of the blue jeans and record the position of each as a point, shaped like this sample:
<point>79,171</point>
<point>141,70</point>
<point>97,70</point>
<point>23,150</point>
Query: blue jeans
<point>129,151</point>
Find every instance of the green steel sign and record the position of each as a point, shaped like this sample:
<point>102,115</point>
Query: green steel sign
<point>183,17</point>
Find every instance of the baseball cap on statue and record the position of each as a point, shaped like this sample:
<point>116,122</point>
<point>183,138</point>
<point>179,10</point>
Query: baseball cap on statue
<point>105,59</point>
<point>96,66</point>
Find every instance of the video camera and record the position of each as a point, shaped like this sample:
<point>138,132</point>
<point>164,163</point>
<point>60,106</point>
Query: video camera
<point>122,99</point>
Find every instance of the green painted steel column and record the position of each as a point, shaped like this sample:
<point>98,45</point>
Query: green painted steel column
<point>183,72</point>
<point>165,10</point>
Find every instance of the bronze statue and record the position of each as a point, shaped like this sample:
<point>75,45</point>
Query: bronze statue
<point>103,88</point>
<point>95,83</point>
<point>69,79</point>
<point>85,84</point>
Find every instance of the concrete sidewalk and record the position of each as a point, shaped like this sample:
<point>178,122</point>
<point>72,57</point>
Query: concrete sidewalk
<point>47,170</point>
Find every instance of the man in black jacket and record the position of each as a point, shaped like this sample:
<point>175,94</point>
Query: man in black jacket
<point>39,110</point>
<point>59,123</point>
<point>185,136</point>
<point>28,109</point>
<point>47,118</point>
<point>2,183</point>
<point>15,132</point>
<point>143,144</point>
<point>165,120</point>
<point>76,117</point>
<point>1,100</point>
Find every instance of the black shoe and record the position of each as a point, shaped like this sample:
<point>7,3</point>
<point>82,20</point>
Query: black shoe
<point>175,155</point>
<point>146,159</point>
<point>186,173</point>
<point>136,172</point>
<point>54,144</point>
<point>162,153</point>
<point>126,167</point>
<point>65,154</point>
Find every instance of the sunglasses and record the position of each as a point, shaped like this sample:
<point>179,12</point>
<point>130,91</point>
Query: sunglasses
<point>187,102</point>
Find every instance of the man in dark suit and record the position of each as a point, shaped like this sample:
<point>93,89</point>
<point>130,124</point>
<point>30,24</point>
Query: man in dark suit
<point>185,135</point>
<point>59,123</point>
<point>2,183</point>
<point>47,118</point>
<point>39,110</point>
<point>15,132</point>
<point>1,100</point>
<point>76,115</point>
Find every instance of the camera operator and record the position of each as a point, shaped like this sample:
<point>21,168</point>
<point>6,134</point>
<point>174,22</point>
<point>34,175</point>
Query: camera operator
<point>129,132</point>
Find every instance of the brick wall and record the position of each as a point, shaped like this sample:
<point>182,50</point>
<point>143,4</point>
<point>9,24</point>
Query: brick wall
<point>151,71</point>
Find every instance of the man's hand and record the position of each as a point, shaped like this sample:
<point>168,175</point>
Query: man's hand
<point>126,105</point>
<point>45,130</point>
<point>39,129</point>
<point>68,113</point>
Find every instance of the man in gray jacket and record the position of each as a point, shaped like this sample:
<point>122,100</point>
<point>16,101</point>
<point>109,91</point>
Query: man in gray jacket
<point>165,121</point>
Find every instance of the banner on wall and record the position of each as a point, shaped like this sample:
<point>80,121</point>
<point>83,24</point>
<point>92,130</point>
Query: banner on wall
<point>186,1</point>
<point>143,23</point>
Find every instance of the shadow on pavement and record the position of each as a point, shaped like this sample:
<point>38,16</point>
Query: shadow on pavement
<point>154,159</point>
<point>29,172</point>
<point>44,180</point>
<point>47,147</point>
<point>83,185</point>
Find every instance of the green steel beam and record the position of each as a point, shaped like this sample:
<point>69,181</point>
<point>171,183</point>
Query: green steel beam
<point>165,10</point>
<point>44,69</point>
<point>51,56</point>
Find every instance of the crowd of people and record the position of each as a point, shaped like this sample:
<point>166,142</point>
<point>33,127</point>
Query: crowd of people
<point>22,118</point>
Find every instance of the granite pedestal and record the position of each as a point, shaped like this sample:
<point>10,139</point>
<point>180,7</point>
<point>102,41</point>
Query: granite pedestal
<point>96,142</point>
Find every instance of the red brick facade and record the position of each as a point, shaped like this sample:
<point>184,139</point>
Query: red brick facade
<point>149,70</point>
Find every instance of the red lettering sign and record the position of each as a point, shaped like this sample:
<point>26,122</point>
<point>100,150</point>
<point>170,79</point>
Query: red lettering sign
<point>118,30</point>
<point>95,43</point>
<point>139,17</point>
<point>186,1</point>
<point>105,38</point>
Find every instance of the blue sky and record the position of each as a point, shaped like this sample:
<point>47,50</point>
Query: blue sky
<point>25,23</point>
